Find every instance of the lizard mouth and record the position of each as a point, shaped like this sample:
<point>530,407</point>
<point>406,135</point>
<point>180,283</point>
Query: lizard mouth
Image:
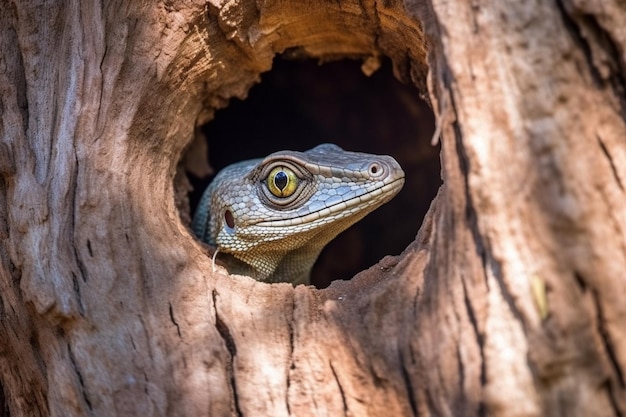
<point>367,202</point>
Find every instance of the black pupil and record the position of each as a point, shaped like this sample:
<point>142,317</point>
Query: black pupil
<point>280,180</point>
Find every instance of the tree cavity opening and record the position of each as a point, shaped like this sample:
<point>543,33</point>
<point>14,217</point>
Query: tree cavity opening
<point>300,104</point>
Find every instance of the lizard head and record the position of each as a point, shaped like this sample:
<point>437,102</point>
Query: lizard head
<point>276,214</point>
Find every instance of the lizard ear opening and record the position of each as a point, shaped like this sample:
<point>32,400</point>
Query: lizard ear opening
<point>300,105</point>
<point>229,219</point>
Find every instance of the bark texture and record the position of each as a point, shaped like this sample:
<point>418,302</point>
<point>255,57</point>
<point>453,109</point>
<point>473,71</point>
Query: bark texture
<point>508,303</point>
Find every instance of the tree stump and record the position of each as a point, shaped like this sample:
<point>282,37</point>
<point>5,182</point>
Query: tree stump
<point>508,302</point>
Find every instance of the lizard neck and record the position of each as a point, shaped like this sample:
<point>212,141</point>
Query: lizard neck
<point>273,267</point>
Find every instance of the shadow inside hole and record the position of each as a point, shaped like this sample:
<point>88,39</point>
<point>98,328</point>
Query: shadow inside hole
<point>300,104</point>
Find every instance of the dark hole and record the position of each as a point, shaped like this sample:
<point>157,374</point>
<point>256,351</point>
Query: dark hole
<point>300,104</point>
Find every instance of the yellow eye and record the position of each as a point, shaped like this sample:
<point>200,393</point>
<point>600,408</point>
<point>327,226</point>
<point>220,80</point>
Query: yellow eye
<point>282,182</point>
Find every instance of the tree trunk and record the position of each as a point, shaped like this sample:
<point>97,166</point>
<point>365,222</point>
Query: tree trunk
<point>508,303</point>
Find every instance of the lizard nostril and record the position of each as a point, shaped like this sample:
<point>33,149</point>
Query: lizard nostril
<point>230,220</point>
<point>375,170</point>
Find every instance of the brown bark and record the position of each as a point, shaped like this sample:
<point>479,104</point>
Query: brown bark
<point>508,303</point>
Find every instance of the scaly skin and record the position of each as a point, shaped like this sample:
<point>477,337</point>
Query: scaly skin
<point>319,194</point>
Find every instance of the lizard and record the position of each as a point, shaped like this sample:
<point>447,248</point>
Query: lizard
<point>271,217</point>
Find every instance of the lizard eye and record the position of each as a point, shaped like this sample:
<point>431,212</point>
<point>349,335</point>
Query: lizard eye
<point>282,182</point>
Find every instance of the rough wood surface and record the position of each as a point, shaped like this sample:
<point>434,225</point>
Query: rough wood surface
<point>508,303</point>
<point>536,141</point>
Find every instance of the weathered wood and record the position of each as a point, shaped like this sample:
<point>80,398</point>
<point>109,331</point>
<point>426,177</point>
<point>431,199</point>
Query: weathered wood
<point>535,138</point>
<point>508,303</point>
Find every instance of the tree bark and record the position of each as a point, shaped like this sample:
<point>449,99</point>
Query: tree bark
<point>508,303</point>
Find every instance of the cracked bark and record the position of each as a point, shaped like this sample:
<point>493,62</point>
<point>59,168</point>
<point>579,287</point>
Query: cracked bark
<point>100,278</point>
